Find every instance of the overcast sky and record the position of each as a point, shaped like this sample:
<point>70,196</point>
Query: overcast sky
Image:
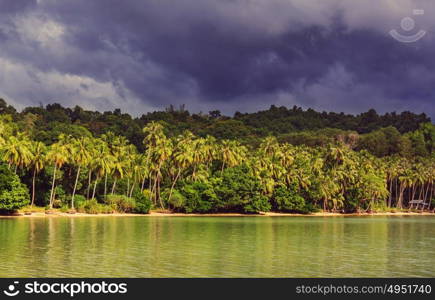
<point>142,55</point>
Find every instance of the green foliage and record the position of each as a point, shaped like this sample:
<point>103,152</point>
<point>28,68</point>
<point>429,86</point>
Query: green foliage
<point>379,207</point>
<point>176,201</point>
<point>13,194</point>
<point>55,119</point>
<point>49,134</point>
<point>77,199</point>
<point>258,203</point>
<point>418,143</point>
<point>121,203</point>
<point>321,137</point>
<point>285,120</point>
<point>93,207</point>
<point>282,159</point>
<point>228,129</point>
<point>428,131</point>
<point>64,208</point>
<point>288,199</point>
<point>382,142</point>
<point>237,189</point>
<point>143,203</point>
<point>60,198</point>
<point>199,197</point>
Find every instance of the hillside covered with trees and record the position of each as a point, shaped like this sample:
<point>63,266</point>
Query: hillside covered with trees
<point>289,160</point>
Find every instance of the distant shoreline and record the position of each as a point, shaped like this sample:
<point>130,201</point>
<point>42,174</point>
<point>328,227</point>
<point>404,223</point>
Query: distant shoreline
<point>268,214</point>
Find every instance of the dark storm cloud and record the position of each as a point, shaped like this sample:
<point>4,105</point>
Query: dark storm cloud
<point>216,54</point>
<point>8,7</point>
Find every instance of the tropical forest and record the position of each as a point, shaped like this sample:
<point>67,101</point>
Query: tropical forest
<point>281,160</point>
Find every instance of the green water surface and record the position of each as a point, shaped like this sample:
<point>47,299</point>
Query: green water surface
<point>218,247</point>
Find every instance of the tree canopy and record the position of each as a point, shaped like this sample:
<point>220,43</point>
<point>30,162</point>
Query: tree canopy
<point>281,159</point>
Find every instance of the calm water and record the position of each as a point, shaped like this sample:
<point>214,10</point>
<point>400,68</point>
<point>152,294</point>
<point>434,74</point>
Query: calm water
<point>218,247</point>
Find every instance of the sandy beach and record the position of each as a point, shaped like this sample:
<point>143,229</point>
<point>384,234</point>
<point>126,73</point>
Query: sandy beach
<point>167,214</point>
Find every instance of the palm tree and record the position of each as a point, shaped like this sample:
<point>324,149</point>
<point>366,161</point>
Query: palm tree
<point>37,162</point>
<point>138,171</point>
<point>210,149</point>
<point>232,153</point>
<point>161,154</point>
<point>58,155</point>
<point>144,169</point>
<point>182,156</point>
<point>390,165</point>
<point>16,151</point>
<point>80,156</point>
<point>102,163</point>
<point>118,168</point>
<point>406,181</point>
<point>117,149</point>
<point>159,149</point>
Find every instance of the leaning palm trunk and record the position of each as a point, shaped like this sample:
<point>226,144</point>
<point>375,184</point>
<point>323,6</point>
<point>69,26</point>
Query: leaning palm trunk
<point>114,186</point>
<point>158,193</point>
<point>401,191</point>
<point>150,183</point>
<point>52,187</point>
<point>159,177</point>
<point>105,187</point>
<point>89,184</point>
<point>33,187</point>
<point>54,193</point>
<point>420,195</point>
<point>426,193</point>
<point>325,204</point>
<point>95,187</point>
<point>173,184</point>
<point>413,192</point>
<point>390,197</point>
<point>143,184</point>
<point>75,187</point>
<point>132,189</point>
<point>154,191</point>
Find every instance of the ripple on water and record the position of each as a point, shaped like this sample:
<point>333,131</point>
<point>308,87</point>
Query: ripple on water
<point>218,247</point>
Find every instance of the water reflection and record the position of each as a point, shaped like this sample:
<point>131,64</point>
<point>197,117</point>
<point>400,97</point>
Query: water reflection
<point>217,247</point>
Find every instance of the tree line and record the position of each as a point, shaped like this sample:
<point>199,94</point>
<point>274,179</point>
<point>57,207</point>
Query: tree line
<point>186,172</point>
<point>291,125</point>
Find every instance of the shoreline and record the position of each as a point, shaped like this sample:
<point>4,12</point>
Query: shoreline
<point>167,214</point>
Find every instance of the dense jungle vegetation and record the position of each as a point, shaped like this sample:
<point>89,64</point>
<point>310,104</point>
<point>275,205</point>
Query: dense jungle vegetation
<point>287,160</point>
